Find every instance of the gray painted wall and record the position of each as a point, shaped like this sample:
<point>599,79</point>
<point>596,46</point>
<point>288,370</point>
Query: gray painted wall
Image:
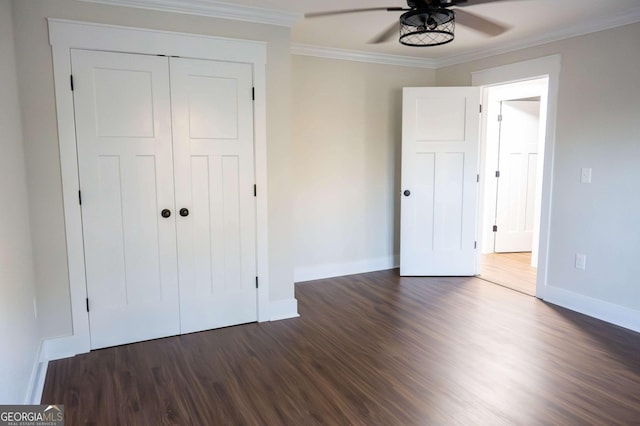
<point>18,326</point>
<point>347,127</point>
<point>598,126</point>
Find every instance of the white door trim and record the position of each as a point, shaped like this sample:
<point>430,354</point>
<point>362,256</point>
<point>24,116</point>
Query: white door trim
<point>65,35</point>
<point>548,66</point>
<point>493,95</point>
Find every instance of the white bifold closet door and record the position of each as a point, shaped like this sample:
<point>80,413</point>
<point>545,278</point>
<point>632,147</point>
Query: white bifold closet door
<point>165,159</point>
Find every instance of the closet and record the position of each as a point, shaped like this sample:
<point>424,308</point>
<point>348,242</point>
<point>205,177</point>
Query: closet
<point>165,151</point>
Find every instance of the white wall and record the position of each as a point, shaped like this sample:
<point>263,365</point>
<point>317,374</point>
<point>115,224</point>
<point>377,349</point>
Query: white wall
<point>335,189</point>
<point>347,120</point>
<point>35,73</point>
<point>19,335</point>
<point>598,126</point>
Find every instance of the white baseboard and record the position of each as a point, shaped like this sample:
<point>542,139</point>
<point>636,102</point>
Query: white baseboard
<point>283,309</point>
<point>605,311</point>
<point>49,350</point>
<point>36,381</point>
<point>64,347</point>
<point>309,273</point>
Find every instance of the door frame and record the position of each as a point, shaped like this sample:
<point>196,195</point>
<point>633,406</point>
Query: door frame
<point>489,154</point>
<point>65,35</point>
<point>548,66</point>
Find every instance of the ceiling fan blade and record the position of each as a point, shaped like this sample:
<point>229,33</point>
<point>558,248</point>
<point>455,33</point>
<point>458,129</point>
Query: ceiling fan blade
<point>386,34</point>
<point>467,3</point>
<point>345,11</point>
<point>478,23</point>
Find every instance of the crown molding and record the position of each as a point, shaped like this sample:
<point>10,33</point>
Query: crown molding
<point>361,56</point>
<point>217,9</point>
<point>212,8</point>
<point>629,17</point>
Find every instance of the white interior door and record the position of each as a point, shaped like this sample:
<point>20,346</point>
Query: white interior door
<point>518,164</point>
<point>123,126</point>
<point>213,151</point>
<point>440,131</point>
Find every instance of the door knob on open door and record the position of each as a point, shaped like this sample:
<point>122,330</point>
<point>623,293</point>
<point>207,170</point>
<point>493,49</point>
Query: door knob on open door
<point>407,193</point>
<point>184,212</point>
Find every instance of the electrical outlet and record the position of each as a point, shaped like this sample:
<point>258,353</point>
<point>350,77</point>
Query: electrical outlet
<point>585,175</point>
<point>581,261</point>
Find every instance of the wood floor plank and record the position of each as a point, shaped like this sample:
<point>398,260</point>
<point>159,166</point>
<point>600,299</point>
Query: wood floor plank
<point>511,270</point>
<point>369,349</point>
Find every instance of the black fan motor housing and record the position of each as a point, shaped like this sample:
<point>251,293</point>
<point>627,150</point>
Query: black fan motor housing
<point>428,4</point>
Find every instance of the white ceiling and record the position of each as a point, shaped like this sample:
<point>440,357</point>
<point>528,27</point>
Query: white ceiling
<point>532,22</point>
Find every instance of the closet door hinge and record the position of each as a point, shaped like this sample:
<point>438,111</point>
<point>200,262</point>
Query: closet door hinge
<point>480,108</point>
<point>71,81</point>
<point>497,173</point>
<point>253,93</point>
<point>495,228</point>
<point>87,304</point>
<point>500,118</point>
<point>255,190</point>
<point>478,178</point>
<point>79,197</point>
<point>475,244</point>
<point>256,282</point>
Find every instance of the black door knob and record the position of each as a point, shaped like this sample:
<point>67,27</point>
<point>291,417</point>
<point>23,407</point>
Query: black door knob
<point>407,193</point>
<point>165,213</point>
<point>184,212</point>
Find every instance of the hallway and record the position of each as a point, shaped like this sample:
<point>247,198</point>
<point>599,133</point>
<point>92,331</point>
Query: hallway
<point>511,270</point>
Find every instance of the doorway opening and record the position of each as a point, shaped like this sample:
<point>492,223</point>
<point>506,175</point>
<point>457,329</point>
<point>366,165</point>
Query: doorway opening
<point>512,161</point>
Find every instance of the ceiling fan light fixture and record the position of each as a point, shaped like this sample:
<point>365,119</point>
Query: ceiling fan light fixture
<point>431,27</point>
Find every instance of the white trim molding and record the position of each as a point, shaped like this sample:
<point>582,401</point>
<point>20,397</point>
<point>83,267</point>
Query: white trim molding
<point>36,381</point>
<point>361,56</point>
<point>283,309</point>
<point>548,66</point>
<point>284,18</point>
<point>319,272</point>
<point>526,70</point>
<point>62,347</point>
<point>212,9</point>
<point>603,23</point>
<point>66,35</point>
<point>605,311</point>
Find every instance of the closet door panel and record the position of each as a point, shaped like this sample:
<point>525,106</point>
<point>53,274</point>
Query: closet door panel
<point>123,127</point>
<point>214,178</point>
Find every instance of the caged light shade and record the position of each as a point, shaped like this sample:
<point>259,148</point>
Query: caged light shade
<point>431,27</point>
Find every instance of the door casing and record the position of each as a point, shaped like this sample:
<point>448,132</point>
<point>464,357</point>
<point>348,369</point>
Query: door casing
<point>547,66</point>
<point>65,35</point>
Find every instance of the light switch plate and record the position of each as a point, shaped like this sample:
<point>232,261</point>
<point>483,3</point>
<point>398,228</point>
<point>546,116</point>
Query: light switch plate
<point>581,261</point>
<point>585,175</point>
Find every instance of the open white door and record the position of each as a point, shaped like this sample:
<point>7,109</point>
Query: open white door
<point>518,163</point>
<point>440,131</point>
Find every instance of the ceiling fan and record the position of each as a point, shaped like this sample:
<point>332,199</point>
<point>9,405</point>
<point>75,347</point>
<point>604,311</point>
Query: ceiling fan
<point>429,22</point>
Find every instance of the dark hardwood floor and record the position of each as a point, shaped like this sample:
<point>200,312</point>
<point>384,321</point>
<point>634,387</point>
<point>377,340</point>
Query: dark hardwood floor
<point>370,349</point>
